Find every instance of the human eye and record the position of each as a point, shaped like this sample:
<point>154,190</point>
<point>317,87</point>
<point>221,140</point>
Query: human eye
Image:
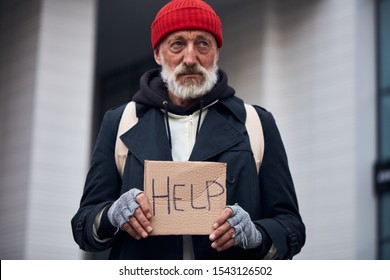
<point>203,45</point>
<point>176,46</point>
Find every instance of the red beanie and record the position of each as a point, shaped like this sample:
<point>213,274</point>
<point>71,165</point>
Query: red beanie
<point>186,15</point>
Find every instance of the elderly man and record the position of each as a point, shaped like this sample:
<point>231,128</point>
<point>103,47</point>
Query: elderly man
<point>187,112</point>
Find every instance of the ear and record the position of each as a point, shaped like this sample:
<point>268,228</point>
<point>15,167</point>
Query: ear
<point>157,56</point>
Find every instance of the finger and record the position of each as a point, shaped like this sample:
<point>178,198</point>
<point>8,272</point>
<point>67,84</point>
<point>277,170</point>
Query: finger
<point>226,237</point>
<point>137,227</point>
<point>142,220</point>
<point>129,229</point>
<point>142,200</point>
<point>217,233</point>
<point>225,214</point>
<point>226,245</point>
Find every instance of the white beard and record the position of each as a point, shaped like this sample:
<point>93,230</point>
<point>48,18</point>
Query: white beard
<point>190,89</point>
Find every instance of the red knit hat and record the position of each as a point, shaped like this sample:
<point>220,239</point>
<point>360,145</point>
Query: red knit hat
<point>186,15</point>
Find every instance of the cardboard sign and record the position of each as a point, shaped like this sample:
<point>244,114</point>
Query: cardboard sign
<point>185,197</point>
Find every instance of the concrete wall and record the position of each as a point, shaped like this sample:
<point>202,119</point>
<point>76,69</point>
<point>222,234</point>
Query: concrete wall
<point>47,62</point>
<point>18,62</point>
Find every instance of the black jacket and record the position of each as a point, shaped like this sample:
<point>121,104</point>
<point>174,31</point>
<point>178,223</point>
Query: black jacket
<point>269,197</point>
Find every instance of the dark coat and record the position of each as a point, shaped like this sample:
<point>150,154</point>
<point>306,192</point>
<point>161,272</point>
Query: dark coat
<point>269,197</point>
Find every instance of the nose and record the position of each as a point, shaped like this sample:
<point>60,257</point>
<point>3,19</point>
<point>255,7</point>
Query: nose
<point>189,55</point>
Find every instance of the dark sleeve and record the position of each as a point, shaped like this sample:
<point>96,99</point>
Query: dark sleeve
<point>106,229</point>
<point>282,221</point>
<point>102,185</point>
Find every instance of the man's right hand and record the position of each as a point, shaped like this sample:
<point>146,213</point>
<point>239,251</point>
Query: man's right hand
<point>131,212</point>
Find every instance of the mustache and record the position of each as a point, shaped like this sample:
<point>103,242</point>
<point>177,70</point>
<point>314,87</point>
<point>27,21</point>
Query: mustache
<point>184,69</point>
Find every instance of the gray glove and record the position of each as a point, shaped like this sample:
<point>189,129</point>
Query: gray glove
<point>247,236</point>
<point>122,209</point>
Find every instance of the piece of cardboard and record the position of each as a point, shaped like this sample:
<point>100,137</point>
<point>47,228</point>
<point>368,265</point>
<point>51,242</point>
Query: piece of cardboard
<point>184,197</point>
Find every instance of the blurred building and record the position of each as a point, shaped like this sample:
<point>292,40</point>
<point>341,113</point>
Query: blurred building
<point>320,66</point>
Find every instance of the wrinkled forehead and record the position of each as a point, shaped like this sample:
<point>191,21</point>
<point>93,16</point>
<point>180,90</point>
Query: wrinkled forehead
<point>190,35</point>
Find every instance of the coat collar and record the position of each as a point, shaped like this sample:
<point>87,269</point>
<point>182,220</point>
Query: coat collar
<point>236,106</point>
<point>223,134</point>
<point>148,140</point>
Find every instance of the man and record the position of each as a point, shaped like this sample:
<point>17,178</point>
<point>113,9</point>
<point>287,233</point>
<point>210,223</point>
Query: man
<point>187,111</point>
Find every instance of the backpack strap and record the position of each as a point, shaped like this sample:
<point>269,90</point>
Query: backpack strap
<point>255,132</point>
<point>128,120</point>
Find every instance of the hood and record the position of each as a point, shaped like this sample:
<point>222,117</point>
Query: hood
<point>153,92</point>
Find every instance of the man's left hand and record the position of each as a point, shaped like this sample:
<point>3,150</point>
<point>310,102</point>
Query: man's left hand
<point>234,227</point>
<point>223,234</point>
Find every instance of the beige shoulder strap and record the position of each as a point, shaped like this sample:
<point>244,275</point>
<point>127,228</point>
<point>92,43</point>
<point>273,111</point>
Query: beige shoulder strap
<point>255,132</point>
<point>128,120</point>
